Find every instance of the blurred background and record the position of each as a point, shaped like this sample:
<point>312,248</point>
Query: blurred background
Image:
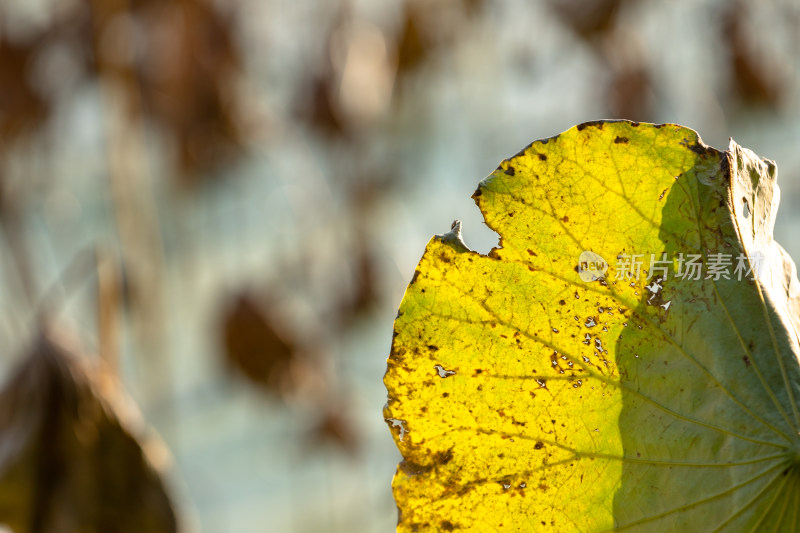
<point>226,199</point>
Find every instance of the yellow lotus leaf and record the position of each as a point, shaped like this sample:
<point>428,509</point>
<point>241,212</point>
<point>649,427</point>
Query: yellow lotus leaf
<point>625,360</point>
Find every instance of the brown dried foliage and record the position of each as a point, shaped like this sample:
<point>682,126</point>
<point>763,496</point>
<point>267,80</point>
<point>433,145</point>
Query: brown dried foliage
<point>257,346</point>
<point>70,461</point>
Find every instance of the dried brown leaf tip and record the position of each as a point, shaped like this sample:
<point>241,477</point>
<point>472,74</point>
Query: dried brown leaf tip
<point>70,456</point>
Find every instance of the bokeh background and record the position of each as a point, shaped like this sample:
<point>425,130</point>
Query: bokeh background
<point>225,200</point>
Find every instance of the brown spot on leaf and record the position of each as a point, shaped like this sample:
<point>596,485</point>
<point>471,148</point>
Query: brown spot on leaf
<point>442,458</point>
<point>596,123</point>
<point>414,469</point>
<point>702,151</point>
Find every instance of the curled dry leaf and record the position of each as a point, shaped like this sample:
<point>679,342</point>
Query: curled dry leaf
<point>71,455</point>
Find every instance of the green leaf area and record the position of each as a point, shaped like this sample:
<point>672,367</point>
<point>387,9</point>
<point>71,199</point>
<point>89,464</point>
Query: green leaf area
<point>625,360</point>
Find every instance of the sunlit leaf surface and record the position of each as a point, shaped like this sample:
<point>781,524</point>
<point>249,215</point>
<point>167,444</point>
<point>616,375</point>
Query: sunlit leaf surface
<point>529,391</point>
